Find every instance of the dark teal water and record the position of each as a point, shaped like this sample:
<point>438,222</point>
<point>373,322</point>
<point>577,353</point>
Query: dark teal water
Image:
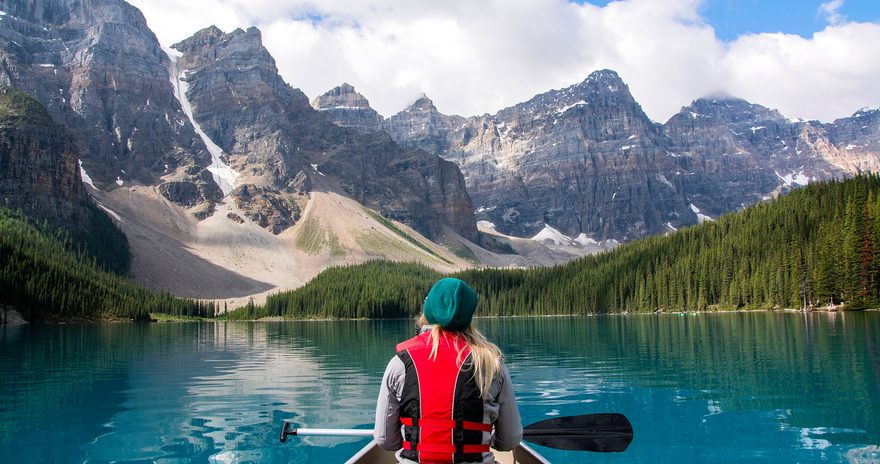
<point>712,388</point>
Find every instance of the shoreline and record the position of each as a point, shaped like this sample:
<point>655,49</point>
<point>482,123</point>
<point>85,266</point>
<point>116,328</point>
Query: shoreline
<point>161,318</point>
<point>519,316</point>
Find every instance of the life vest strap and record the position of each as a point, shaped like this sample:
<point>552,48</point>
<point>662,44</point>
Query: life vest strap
<point>444,448</point>
<point>445,424</point>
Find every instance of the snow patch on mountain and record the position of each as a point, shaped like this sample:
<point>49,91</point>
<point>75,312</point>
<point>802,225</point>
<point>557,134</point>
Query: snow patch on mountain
<point>110,212</point>
<point>585,240</point>
<point>568,107</point>
<point>315,167</point>
<point>793,178</point>
<point>223,175</point>
<point>700,216</point>
<point>85,176</point>
<point>549,234</point>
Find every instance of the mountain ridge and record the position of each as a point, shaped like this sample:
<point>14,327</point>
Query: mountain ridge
<point>717,154</point>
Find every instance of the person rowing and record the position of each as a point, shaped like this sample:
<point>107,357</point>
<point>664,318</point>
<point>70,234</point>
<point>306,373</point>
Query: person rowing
<point>446,396</point>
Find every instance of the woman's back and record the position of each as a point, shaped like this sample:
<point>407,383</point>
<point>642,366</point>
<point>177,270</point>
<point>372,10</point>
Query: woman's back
<point>446,396</point>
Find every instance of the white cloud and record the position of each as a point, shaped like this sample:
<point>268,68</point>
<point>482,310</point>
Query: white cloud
<point>478,57</point>
<point>825,77</point>
<point>831,11</point>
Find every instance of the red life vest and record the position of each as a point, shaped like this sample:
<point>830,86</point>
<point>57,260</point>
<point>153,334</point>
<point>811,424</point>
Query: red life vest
<point>440,407</point>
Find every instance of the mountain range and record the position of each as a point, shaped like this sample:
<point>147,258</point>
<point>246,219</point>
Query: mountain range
<point>230,184</point>
<point>587,162</point>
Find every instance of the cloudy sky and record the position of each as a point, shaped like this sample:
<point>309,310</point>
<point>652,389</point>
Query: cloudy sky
<point>813,59</point>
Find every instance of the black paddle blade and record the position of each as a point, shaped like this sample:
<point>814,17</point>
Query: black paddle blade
<point>285,431</point>
<point>605,433</point>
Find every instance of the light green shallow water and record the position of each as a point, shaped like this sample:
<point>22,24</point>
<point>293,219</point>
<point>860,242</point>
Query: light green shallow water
<point>742,387</point>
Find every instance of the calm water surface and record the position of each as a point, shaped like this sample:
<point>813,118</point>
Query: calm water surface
<point>712,388</point>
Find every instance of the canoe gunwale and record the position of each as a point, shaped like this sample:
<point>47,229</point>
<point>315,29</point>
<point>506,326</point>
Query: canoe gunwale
<point>372,454</point>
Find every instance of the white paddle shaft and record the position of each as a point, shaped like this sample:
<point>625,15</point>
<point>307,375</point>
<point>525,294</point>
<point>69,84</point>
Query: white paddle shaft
<point>332,432</point>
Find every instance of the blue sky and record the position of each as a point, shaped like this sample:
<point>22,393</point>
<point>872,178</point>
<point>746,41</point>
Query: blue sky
<point>732,18</point>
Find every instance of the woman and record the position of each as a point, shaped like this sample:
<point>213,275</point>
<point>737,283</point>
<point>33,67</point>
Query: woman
<point>447,389</point>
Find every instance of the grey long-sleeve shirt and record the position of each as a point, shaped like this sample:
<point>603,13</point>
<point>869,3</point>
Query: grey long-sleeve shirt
<point>499,408</point>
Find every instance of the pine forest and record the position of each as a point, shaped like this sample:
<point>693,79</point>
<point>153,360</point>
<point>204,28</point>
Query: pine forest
<point>47,275</point>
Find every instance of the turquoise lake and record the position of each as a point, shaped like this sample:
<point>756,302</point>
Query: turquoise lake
<point>709,388</point>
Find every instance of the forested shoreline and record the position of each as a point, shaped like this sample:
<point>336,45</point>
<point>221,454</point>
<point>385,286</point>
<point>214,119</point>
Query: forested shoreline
<point>816,247</point>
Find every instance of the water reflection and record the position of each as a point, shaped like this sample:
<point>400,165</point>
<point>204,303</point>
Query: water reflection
<point>707,388</point>
<point>224,399</point>
<point>773,382</point>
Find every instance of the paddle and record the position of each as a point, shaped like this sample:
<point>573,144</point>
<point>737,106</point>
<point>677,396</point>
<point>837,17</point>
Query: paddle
<point>604,433</point>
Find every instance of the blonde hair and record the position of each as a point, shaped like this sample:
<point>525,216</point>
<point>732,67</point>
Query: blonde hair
<point>485,355</point>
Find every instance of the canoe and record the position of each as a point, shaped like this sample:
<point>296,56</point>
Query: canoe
<point>372,454</point>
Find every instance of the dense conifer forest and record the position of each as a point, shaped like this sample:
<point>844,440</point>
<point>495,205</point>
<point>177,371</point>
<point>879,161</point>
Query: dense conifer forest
<point>47,275</point>
<point>816,247</point>
<point>376,289</point>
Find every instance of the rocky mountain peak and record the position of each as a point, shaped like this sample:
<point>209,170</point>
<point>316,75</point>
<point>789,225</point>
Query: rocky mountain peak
<point>601,91</point>
<point>602,82</point>
<point>730,110</point>
<point>283,147</point>
<point>343,96</point>
<point>603,77</point>
<point>422,126</point>
<point>239,46</point>
<point>347,108</point>
<point>423,104</point>
<point>587,129</point>
<point>206,37</point>
<point>866,113</point>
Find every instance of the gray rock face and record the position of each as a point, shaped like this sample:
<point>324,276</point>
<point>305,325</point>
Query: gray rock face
<point>267,207</point>
<point>587,160</point>
<point>101,73</point>
<point>857,140</point>
<point>283,147</point>
<point>423,126</point>
<point>751,152</point>
<point>723,148</point>
<point>347,108</point>
<point>39,165</point>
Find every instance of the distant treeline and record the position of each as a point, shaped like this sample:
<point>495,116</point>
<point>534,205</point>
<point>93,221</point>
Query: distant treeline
<point>376,289</point>
<point>47,275</point>
<point>817,246</point>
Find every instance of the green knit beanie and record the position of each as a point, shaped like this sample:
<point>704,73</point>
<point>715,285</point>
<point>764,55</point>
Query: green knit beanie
<point>451,304</point>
